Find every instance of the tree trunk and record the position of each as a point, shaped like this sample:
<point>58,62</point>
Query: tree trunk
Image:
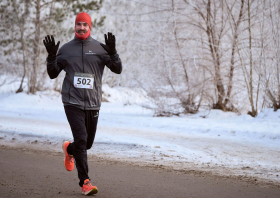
<point>234,43</point>
<point>251,88</point>
<point>20,89</point>
<point>21,26</point>
<point>214,49</point>
<point>36,49</point>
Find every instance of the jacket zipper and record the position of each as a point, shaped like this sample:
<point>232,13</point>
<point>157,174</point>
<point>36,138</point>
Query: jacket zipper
<point>83,71</point>
<point>83,55</point>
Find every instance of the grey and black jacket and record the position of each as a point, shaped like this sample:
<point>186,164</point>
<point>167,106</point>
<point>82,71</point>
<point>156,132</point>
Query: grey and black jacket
<point>82,56</point>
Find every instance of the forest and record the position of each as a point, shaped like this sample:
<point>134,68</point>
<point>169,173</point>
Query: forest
<point>186,55</point>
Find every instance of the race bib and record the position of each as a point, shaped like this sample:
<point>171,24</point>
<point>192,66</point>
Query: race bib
<point>83,80</point>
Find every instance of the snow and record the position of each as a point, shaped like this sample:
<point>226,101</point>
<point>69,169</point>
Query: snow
<point>222,142</point>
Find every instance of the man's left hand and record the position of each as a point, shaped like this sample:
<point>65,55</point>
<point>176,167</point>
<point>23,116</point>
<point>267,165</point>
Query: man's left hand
<point>110,42</point>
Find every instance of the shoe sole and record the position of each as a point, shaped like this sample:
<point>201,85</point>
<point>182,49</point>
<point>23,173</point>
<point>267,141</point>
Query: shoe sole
<point>91,192</point>
<point>63,147</point>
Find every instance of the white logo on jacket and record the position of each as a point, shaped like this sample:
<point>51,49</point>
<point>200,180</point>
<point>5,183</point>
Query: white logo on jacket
<point>90,52</point>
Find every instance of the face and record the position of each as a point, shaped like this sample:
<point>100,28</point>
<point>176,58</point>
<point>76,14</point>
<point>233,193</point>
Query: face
<point>81,28</point>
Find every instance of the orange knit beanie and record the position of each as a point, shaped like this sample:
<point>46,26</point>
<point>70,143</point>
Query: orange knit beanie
<point>83,17</point>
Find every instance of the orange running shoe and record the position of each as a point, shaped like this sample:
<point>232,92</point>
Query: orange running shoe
<point>69,159</point>
<point>88,189</point>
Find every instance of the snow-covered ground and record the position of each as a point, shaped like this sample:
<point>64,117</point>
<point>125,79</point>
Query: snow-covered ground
<point>223,143</point>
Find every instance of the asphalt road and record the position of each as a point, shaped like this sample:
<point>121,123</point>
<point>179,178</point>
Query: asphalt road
<point>31,173</point>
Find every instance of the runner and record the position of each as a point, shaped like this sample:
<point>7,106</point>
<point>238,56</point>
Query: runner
<point>83,59</point>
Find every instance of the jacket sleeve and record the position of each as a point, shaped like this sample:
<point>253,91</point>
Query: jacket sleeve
<point>114,63</point>
<point>54,66</point>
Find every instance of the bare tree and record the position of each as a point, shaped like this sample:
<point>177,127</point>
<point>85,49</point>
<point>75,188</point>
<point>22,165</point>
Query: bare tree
<point>180,90</point>
<point>235,27</point>
<point>211,18</point>
<point>270,52</point>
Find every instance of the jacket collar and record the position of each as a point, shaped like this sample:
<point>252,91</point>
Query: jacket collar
<point>88,40</point>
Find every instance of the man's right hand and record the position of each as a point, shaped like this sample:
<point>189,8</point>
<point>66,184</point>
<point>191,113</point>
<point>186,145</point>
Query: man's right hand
<point>50,45</point>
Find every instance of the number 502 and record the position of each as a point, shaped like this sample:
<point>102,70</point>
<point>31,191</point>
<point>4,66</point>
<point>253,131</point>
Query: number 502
<point>84,81</point>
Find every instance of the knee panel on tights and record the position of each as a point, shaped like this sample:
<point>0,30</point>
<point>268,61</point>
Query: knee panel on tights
<point>80,145</point>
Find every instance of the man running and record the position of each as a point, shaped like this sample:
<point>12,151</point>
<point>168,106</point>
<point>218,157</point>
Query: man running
<point>83,59</point>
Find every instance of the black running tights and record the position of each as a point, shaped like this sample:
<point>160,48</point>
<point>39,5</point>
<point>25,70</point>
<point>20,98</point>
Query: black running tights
<point>83,125</point>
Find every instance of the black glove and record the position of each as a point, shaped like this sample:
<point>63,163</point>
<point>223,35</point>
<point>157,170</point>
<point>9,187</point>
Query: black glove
<point>50,45</point>
<point>110,46</point>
